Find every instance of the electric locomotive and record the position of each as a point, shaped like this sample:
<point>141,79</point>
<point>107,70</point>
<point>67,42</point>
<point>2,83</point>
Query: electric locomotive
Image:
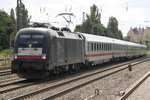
<point>31,53</point>
<point>39,52</point>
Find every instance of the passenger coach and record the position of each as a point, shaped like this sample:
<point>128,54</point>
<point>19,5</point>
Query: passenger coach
<point>100,49</point>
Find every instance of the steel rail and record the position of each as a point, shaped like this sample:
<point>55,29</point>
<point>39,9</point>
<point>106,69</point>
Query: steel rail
<point>133,87</point>
<point>5,72</point>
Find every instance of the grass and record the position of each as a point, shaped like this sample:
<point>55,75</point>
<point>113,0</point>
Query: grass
<point>6,64</point>
<point>6,53</point>
<point>148,52</point>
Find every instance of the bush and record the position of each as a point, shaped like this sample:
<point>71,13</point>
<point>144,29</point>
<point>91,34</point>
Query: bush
<point>6,52</point>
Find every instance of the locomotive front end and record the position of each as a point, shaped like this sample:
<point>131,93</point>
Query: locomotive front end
<point>30,53</point>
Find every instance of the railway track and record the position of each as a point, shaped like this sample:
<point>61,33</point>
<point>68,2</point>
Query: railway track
<point>21,83</point>
<point>16,85</point>
<point>7,80</point>
<point>1,59</point>
<point>5,72</point>
<point>75,83</point>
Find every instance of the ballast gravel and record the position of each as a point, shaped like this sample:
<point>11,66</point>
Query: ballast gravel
<point>109,88</point>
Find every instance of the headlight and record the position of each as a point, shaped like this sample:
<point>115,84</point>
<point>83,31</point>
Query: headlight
<point>15,56</point>
<point>43,56</point>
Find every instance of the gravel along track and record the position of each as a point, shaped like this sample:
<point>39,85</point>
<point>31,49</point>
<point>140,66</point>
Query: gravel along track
<point>109,87</point>
<point>57,88</point>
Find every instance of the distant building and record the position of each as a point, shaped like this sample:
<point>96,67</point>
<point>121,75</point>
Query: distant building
<point>139,34</point>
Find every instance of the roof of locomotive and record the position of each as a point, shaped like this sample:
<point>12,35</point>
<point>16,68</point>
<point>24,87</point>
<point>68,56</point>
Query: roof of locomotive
<point>58,34</point>
<point>32,30</point>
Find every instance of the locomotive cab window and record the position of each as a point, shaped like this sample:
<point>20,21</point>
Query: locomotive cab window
<point>24,39</point>
<point>37,39</point>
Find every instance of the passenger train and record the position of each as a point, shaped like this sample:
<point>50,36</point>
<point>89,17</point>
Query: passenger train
<point>42,51</point>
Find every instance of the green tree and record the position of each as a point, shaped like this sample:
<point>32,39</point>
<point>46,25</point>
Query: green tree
<point>22,15</point>
<point>12,15</point>
<point>112,29</point>
<point>5,29</point>
<point>92,24</point>
<point>126,38</point>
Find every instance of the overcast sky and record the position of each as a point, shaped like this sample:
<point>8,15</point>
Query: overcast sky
<point>129,13</point>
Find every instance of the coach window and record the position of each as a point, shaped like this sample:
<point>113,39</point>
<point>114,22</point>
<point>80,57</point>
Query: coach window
<point>97,46</point>
<point>104,47</point>
<point>88,46</point>
<point>94,46</point>
<point>91,46</point>
<point>116,47</point>
<point>107,47</point>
